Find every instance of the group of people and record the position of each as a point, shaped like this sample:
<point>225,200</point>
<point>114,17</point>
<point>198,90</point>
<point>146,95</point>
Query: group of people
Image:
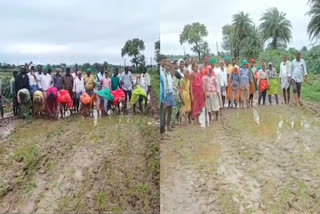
<point>186,88</point>
<point>36,91</point>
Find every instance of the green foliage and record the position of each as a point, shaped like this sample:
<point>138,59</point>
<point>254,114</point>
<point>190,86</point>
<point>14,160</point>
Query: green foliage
<point>157,51</point>
<point>193,34</point>
<point>314,24</point>
<point>133,49</point>
<point>275,26</point>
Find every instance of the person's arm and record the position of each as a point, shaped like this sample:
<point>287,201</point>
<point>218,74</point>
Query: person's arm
<point>74,87</point>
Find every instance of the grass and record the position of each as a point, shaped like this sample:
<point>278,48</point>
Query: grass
<point>155,82</point>
<point>311,91</point>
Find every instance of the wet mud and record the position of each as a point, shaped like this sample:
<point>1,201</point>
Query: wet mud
<point>109,164</point>
<point>259,160</point>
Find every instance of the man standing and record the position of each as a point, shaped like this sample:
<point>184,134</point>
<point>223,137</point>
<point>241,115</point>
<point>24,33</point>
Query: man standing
<point>33,84</point>
<point>115,80</point>
<point>67,82</point>
<point>100,77</point>
<point>163,90</point>
<point>145,81</point>
<point>181,68</point>
<point>45,81</point>
<point>89,83</point>
<point>285,71</point>
<point>57,81</point>
<point>223,82</point>
<point>298,73</point>
<point>126,79</point>
<point>14,93</point>
<point>245,80</point>
<point>78,89</point>
<point>22,80</point>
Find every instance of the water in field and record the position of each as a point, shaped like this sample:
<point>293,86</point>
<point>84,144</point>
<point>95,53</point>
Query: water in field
<point>258,160</point>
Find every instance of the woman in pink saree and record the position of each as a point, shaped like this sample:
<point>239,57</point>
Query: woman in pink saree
<point>197,93</point>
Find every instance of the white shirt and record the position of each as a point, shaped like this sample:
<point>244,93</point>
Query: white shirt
<point>222,77</point>
<point>78,85</point>
<point>32,80</point>
<point>298,70</point>
<point>45,81</point>
<point>145,81</point>
<point>38,78</point>
<point>181,73</point>
<point>74,75</point>
<point>285,69</point>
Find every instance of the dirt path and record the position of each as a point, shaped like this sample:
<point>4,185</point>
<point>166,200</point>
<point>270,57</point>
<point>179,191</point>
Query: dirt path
<point>81,165</point>
<point>260,160</point>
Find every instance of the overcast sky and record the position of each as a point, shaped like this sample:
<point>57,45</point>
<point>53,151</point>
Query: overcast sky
<point>75,31</point>
<point>174,15</point>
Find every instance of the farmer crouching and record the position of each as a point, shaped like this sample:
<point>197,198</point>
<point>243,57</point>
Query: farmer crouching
<point>24,100</point>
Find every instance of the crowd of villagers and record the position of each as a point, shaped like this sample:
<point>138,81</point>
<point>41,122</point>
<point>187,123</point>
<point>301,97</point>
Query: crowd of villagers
<point>187,88</point>
<point>37,92</point>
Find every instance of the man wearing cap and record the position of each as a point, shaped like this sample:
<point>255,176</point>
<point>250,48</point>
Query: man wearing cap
<point>89,82</point>
<point>221,74</point>
<point>298,73</point>
<point>245,80</point>
<point>57,80</point>
<point>45,81</point>
<point>285,71</point>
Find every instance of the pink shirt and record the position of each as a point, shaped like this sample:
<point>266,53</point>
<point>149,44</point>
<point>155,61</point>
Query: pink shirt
<point>106,83</point>
<point>210,84</point>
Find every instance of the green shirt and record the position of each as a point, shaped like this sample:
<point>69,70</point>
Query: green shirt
<point>115,82</point>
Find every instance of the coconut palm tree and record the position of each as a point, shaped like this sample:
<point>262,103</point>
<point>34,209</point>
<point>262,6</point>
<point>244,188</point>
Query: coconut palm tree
<point>242,24</point>
<point>314,24</point>
<point>275,26</point>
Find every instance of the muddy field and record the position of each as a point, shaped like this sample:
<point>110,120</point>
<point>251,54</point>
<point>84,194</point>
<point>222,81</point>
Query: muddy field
<point>260,160</point>
<point>78,165</point>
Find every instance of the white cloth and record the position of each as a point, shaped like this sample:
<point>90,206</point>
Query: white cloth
<point>145,81</point>
<point>38,78</point>
<point>285,70</point>
<point>78,86</point>
<point>298,70</point>
<point>181,73</point>
<point>222,77</point>
<point>126,81</point>
<point>32,79</point>
<point>45,81</point>
<point>74,75</point>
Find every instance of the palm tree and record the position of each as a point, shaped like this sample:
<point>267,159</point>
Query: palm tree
<point>314,24</point>
<point>242,24</point>
<point>275,26</point>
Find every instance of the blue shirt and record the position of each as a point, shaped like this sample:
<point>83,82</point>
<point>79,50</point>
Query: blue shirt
<point>245,78</point>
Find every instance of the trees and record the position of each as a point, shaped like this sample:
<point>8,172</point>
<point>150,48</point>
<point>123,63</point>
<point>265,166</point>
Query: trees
<point>157,51</point>
<point>194,34</point>
<point>275,26</point>
<point>314,24</point>
<point>241,27</point>
<point>133,49</point>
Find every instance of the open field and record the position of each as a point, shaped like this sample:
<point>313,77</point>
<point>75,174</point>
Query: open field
<point>81,165</point>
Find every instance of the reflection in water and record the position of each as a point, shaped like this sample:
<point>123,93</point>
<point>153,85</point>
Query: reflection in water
<point>279,128</point>
<point>256,116</point>
<point>95,118</point>
<point>202,118</point>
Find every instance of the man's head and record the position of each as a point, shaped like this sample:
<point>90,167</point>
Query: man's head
<point>162,60</point>
<point>101,69</point>
<point>221,63</point>
<point>186,62</point>
<point>49,70</point>
<point>181,65</point>
<point>144,69</point>
<point>23,69</point>
<point>58,71</point>
<point>263,66</point>
<point>45,69</point>
<point>14,73</point>
<point>68,71</point>
<point>79,74</point>
<point>106,73</point>
<point>39,67</point>
<point>234,61</point>
<point>32,68</point>
<point>298,56</point>
<point>206,60</point>
<point>126,69</point>
<point>212,62</point>
<point>285,58</point>
<point>270,65</point>
<point>195,67</point>
<point>227,60</point>
<point>89,70</point>
<point>116,71</point>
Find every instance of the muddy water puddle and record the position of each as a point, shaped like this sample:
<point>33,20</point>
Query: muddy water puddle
<point>260,160</point>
